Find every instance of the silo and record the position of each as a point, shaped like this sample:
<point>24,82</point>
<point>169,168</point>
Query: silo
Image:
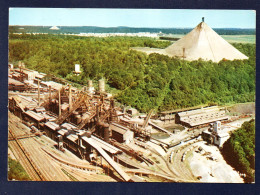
<point>101,85</point>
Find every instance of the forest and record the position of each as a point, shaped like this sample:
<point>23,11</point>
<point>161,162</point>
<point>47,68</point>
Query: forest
<point>142,81</point>
<point>239,150</point>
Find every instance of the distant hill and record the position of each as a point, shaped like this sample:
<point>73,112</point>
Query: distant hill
<point>120,29</point>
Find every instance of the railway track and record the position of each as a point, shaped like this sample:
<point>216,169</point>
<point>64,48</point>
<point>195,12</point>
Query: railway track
<point>36,163</point>
<point>25,159</point>
<point>179,166</point>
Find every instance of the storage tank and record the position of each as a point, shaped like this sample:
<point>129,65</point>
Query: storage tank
<point>101,85</point>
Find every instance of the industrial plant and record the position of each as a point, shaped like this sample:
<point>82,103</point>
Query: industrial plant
<point>50,121</point>
<point>60,131</point>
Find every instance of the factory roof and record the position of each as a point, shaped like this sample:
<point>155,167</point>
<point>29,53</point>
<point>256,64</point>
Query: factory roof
<point>52,125</point>
<point>223,134</point>
<point>196,122</point>
<point>48,117</point>
<point>182,109</point>
<point>34,115</point>
<point>68,126</point>
<point>118,128</point>
<point>14,82</point>
<point>106,146</point>
<point>203,116</point>
<point>62,131</point>
<point>40,75</point>
<point>15,74</point>
<point>53,84</point>
<point>72,137</point>
<point>199,111</point>
<point>40,109</point>
<point>27,71</point>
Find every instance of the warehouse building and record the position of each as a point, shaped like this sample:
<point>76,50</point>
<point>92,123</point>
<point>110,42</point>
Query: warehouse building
<point>201,116</point>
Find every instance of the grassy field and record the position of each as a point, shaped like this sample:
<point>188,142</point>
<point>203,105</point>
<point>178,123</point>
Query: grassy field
<point>240,38</point>
<point>229,38</point>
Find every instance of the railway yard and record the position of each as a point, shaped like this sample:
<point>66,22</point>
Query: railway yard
<point>62,133</point>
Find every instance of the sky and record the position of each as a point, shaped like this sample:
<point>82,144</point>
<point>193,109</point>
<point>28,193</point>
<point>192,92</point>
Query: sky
<point>157,18</point>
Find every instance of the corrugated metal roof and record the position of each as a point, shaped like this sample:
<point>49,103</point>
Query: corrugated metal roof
<point>34,115</point>
<point>62,131</point>
<point>199,111</point>
<point>72,137</point>
<point>52,125</point>
<point>68,126</point>
<point>195,122</point>
<point>14,82</point>
<point>48,117</point>
<point>106,146</point>
<point>118,129</point>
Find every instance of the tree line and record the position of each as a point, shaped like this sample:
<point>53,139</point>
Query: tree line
<point>239,150</point>
<point>142,81</point>
<point>122,29</point>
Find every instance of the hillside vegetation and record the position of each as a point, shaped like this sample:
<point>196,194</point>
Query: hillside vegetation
<point>145,82</point>
<point>16,171</point>
<point>239,150</point>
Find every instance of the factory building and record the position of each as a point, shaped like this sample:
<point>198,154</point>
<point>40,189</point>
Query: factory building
<point>34,118</point>
<point>201,116</point>
<point>215,135</point>
<point>121,134</point>
<point>51,129</point>
<point>15,85</point>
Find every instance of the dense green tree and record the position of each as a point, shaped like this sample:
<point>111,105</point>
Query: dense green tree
<point>240,149</point>
<point>142,81</point>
